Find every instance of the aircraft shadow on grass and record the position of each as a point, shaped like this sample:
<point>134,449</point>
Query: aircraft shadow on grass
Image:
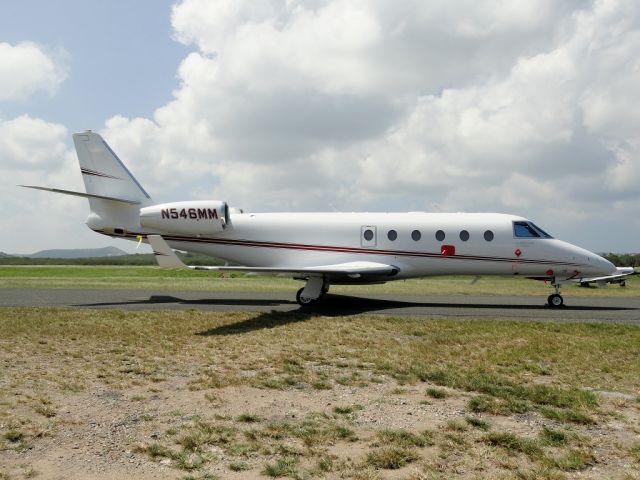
<point>331,306</point>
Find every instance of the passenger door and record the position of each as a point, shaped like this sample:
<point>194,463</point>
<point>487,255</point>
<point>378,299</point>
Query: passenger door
<point>368,236</point>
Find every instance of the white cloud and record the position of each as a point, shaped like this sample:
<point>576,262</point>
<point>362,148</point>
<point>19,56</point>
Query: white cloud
<point>524,107</point>
<point>34,152</point>
<point>26,68</point>
<point>528,108</point>
<point>28,143</point>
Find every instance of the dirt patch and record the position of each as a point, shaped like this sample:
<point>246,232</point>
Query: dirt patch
<point>108,394</point>
<point>102,433</point>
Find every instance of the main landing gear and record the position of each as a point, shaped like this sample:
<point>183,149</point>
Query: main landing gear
<point>555,300</point>
<point>312,292</point>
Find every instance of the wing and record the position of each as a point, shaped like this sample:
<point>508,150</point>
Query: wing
<point>350,271</point>
<point>619,276</point>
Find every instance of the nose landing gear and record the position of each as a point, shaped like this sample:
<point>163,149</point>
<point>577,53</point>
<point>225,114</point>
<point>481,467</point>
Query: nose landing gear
<point>555,300</point>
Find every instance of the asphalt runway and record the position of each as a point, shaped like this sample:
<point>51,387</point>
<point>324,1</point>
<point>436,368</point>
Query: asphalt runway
<point>578,309</point>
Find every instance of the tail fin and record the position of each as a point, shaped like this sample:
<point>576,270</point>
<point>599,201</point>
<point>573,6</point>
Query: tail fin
<point>105,177</point>
<point>103,172</point>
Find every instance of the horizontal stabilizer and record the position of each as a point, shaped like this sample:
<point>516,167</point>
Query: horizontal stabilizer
<point>82,194</point>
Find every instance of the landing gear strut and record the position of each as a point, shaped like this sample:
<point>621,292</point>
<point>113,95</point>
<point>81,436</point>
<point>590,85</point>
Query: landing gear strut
<point>312,292</point>
<point>555,300</point>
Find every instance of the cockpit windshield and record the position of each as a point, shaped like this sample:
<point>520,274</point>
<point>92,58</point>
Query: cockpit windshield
<point>528,230</point>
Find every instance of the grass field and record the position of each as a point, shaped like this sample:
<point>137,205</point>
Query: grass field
<point>154,278</point>
<point>192,394</point>
<point>203,395</point>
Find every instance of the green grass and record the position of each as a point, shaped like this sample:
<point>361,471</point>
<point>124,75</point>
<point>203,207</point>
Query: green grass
<point>13,435</point>
<point>145,277</point>
<point>555,438</point>
<point>634,452</point>
<point>494,358</point>
<point>403,438</point>
<point>343,410</point>
<point>575,459</point>
<point>391,458</point>
<point>284,467</point>
<point>436,392</point>
<point>478,423</point>
<point>515,444</point>
<point>239,466</point>
<point>567,415</point>
<point>249,418</point>
<point>156,450</point>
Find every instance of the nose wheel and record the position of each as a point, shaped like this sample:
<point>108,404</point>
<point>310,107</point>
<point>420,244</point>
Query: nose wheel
<point>555,300</point>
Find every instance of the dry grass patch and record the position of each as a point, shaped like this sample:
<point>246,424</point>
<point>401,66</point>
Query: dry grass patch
<point>404,438</point>
<point>391,458</point>
<point>539,371</point>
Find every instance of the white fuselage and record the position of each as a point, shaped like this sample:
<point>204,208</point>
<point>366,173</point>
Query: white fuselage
<point>301,240</point>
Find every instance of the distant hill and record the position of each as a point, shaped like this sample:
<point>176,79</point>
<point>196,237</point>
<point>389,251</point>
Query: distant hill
<point>78,253</point>
<point>4,255</point>
<point>138,259</point>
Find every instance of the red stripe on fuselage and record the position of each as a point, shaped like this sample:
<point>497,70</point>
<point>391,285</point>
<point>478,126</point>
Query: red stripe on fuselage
<point>335,249</point>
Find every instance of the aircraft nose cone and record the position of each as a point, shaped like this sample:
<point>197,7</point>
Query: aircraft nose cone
<point>602,265</point>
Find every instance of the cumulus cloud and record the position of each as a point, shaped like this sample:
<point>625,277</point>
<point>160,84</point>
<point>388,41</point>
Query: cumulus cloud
<point>528,108</point>
<point>26,68</point>
<point>34,152</point>
<point>28,143</point>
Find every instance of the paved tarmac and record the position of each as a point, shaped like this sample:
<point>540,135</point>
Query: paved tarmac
<point>578,309</point>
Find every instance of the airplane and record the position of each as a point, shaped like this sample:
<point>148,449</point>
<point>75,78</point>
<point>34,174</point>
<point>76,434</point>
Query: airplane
<point>322,249</point>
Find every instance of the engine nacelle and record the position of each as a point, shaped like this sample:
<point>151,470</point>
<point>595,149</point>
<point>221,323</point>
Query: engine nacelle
<point>203,217</point>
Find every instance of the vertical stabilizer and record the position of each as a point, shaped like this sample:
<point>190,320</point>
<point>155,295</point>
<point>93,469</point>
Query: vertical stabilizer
<point>103,172</point>
<point>105,175</point>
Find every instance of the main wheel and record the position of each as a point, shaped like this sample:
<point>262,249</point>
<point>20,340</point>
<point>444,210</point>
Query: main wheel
<point>304,301</point>
<point>555,300</point>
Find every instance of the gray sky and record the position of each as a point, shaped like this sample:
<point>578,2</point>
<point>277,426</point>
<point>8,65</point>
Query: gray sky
<point>528,108</point>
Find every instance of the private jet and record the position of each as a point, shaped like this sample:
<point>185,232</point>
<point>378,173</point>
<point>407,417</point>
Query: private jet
<point>322,249</point>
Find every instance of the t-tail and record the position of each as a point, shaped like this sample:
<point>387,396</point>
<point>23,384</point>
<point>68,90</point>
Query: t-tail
<point>115,196</point>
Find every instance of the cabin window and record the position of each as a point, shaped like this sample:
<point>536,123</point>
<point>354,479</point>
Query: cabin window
<point>416,235</point>
<point>464,235</point>
<point>392,235</point>
<point>440,235</point>
<point>488,235</point>
<point>368,235</point>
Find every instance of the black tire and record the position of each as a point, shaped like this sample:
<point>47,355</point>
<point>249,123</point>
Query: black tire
<point>555,300</point>
<point>302,301</point>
